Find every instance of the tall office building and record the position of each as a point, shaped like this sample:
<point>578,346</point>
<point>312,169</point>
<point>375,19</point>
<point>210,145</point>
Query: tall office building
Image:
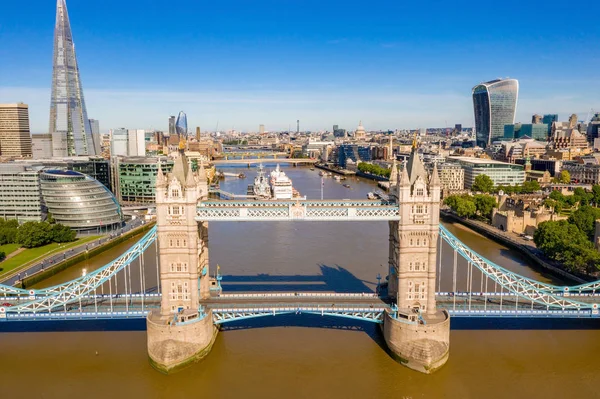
<point>15,139</point>
<point>136,143</point>
<point>593,128</point>
<point>261,129</point>
<point>495,105</point>
<point>119,139</point>
<point>69,124</point>
<point>172,125</point>
<point>41,146</point>
<point>549,119</point>
<point>95,126</point>
<point>181,124</point>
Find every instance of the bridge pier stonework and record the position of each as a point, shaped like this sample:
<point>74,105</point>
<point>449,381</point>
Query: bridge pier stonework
<point>183,331</point>
<point>416,332</point>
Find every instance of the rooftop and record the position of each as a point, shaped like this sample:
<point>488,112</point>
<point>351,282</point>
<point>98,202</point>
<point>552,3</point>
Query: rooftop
<point>478,161</point>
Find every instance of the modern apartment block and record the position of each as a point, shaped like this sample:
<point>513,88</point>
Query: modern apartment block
<point>15,138</point>
<point>135,178</point>
<point>452,177</point>
<point>495,105</point>
<point>20,193</point>
<point>501,173</point>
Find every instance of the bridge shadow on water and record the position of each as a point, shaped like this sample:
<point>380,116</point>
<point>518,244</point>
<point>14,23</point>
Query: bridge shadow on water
<point>308,320</point>
<point>332,279</point>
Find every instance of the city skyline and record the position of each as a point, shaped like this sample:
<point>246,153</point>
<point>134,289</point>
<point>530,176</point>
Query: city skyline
<point>244,67</point>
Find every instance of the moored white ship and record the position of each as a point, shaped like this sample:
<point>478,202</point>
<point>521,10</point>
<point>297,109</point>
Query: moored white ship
<point>281,186</point>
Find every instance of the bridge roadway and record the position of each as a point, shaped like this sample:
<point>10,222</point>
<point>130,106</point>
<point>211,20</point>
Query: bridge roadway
<point>358,306</point>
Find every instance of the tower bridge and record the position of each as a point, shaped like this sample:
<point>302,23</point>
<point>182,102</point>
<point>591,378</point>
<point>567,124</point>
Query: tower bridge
<point>184,305</point>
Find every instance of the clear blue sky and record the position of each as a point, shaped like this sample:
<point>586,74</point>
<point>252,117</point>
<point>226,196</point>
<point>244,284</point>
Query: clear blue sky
<point>393,64</point>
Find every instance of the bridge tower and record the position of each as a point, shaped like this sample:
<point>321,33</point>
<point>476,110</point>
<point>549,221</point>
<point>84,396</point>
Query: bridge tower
<point>182,332</point>
<point>417,332</point>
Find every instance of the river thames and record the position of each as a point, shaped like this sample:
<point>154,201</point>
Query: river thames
<point>302,356</point>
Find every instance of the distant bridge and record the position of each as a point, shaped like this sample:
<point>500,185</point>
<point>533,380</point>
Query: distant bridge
<point>293,161</point>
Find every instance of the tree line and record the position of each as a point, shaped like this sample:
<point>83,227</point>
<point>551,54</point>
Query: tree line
<point>484,184</point>
<point>571,241</point>
<point>374,169</point>
<point>467,206</point>
<point>34,234</point>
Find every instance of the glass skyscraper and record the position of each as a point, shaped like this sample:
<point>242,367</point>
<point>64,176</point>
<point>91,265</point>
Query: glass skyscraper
<point>69,125</point>
<point>181,125</point>
<point>495,105</point>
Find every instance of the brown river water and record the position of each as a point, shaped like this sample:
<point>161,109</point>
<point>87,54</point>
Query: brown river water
<point>282,357</point>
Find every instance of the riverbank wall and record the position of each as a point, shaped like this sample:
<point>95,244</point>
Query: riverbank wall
<point>371,176</point>
<point>59,267</point>
<point>343,172</point>
<point>490,232</point>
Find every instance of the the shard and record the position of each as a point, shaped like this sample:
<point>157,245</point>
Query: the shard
<point>69,125</point>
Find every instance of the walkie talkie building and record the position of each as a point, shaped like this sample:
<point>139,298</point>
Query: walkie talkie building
<point>495,105</point>
<point>69,124</point>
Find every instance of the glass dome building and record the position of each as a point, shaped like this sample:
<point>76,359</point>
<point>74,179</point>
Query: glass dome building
<point>79,201</point>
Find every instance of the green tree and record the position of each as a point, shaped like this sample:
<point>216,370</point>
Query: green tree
<point>8,231</point>
<point>564,242</point>
<point>62,233</point>
<point>2,256</point>
<point>582,196</point>
<point>50,218</point>
<point>565,177</point>
<point>584,218</point>
<point>34,234</point>
<point>465,208</point>
<point>557,196</point>
<point>530,187</point>
<point>485,204</point>
<point>596,194</point>
<point>452,201</point>
<point>551,236</point>
<point>483,183</point>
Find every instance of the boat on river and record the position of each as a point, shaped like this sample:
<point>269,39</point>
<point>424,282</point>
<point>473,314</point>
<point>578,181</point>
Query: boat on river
<point>281,186</point>
<point>261,188</point>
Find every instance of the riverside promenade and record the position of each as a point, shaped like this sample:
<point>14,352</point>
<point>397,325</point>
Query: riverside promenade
<point>56,259</point>
<point>526,247</point>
